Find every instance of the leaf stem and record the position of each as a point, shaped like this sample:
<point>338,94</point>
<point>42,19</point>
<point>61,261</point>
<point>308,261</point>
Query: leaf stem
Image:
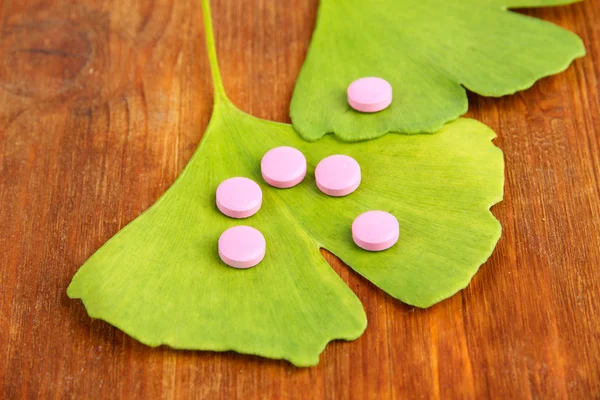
<point>219,89</point>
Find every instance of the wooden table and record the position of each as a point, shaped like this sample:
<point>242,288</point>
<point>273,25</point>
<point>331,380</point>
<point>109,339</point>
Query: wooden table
<point>102,102</point>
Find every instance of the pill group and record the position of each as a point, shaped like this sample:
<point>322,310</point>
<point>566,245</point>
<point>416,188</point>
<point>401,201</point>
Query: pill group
<point>285,167</point>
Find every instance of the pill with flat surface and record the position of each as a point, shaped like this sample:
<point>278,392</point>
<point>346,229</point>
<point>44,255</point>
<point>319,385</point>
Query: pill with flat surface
<point>370,94</point>
<point>375,230</point>
<point>338,175</point>
<point>283,167</point>
<point>242,247</point>
<point>239,197</point>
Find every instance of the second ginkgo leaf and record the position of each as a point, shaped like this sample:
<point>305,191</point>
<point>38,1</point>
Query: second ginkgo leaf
<point>429,51</point>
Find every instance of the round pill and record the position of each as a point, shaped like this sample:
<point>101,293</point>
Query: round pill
<point>283,167</point>
<point>375,230</point>
<point>239,197</point>
<point>369,94</point>
<point>242,247</point>
<point>337,175</point>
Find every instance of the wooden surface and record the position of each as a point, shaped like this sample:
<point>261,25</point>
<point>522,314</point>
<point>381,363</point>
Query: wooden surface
<point>102,102</point>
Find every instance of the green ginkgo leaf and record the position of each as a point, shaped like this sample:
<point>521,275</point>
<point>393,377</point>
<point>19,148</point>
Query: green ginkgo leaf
<point>430,51</point>
<point>161,281</point>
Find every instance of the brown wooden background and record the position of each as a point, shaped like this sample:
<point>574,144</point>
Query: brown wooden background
<point>102,102</point>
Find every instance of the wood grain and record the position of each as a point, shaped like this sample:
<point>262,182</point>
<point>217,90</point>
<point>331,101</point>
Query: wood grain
<point>102,102</point>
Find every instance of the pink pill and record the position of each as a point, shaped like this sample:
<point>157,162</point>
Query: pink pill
<point>242,247</point>
<point>375,230</point>
<point>337,175</point>
<point>239,197</point>
<point>369,94</point>
<point>283,167</point>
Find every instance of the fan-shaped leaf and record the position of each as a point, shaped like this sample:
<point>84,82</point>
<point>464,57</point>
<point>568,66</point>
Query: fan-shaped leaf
<point>161,281</point>
<point>428,50</point>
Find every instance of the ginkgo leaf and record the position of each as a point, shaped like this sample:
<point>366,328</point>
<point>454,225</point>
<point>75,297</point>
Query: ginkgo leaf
<point>430,51</point>
<point>161,281</point>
